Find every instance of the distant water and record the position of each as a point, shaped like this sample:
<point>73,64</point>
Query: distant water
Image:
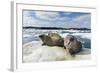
<point>32,35</point>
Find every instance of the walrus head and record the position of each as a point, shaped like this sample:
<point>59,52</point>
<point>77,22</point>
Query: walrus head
<point>42,37</point>
<point>68,39</point>
<point>74,46</point>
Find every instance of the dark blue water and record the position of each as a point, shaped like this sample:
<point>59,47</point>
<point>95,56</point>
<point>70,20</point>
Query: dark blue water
<point>87,43</point>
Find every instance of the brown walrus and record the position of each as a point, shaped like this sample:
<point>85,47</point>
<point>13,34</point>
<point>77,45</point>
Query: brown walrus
<point>72,44</point>
<point>52,39</point>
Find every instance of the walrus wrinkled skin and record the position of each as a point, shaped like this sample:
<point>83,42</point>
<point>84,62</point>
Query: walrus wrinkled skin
<point>72,44</point>
<point>52,39</point>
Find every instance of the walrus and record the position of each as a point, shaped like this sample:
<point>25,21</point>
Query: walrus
<point>72,44</point>
<point>52,39</point>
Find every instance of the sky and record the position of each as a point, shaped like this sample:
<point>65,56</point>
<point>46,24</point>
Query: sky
<point>56,19</point>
